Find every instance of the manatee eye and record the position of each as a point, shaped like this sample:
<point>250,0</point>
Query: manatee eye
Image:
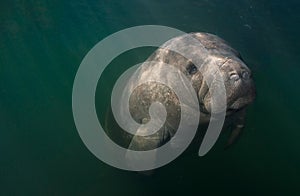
<point>246,75</point>
<point>234,76</point>
<point>191,68</point>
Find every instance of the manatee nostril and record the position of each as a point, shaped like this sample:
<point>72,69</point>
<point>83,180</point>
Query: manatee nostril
<point>234,76</point>
<point>246,75</point>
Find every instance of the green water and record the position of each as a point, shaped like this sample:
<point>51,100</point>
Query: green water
<point>42,44</point>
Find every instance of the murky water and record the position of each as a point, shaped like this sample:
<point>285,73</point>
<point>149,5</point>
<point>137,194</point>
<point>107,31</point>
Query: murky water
<point>41,46</point>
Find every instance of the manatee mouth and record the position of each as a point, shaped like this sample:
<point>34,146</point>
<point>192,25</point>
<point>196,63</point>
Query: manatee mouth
<point>239,104</point>
<point>236,106</point>
<point>233,104</point>
<point>230,111</point>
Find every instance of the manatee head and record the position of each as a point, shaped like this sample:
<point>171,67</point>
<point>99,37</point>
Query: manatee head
<point>238,82</point>
<point>237,77</point>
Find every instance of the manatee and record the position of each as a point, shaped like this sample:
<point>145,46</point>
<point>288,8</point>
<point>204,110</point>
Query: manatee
<point>237,77</point>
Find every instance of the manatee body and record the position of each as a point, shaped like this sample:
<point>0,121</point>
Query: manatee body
<point>240,90</point>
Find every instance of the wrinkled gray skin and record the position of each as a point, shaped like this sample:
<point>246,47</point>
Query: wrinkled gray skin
<point>240,90</point>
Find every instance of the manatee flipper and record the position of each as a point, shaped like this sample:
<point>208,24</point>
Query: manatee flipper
<point>234,135</point>
<point>238,126</point>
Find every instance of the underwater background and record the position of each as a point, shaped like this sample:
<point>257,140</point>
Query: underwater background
<point>42,44</point>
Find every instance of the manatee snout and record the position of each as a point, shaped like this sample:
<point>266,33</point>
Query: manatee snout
<point>239,85</point>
